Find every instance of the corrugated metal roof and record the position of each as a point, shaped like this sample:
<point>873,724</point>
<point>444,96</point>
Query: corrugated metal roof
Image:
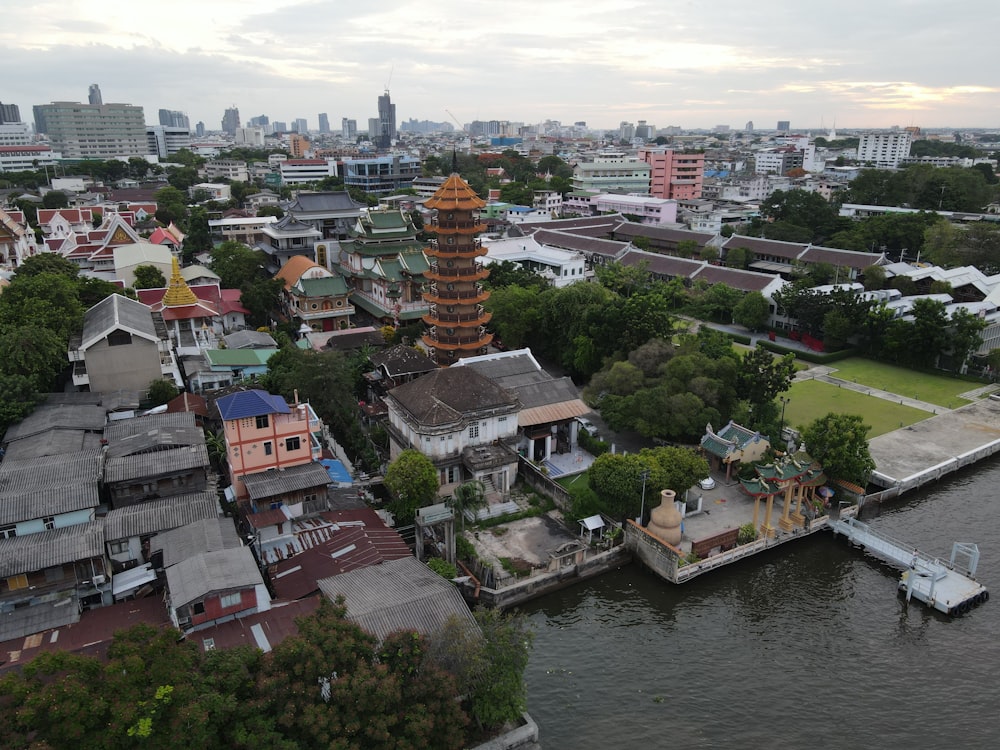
<point>158,439</point>
<point>56,442</point>
<point>50,472</point>
<point>154,464</point>
<point>89,417</point>
<point>266,484</point>
<point>223,570</point>
<point>52,501</point>
<point>206,535</point>
<point>35,619</point>
<point>117,312</point>
<point>125,428</point>
<point>397,595</point>
<point>153,516</point>
<point>253,403</point>
<point>552,413</point>
<point>33,552</point>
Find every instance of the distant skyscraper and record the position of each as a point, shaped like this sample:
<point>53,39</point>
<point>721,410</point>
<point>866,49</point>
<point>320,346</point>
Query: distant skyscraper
<point>301,126</point>
<point>749,126</point>
<point>94,94</point>
<point>231,120</point>
<point>199,129</point>
<point>373,130</point>
<point>279,127</point>
<point>93,131</point>
<point>172,118</point>
<point>784,126</point>
<point>260,122</point>
<point>386,122</point>
<point>349,129</point>
<point>324,123</point>
<point>9,113</point>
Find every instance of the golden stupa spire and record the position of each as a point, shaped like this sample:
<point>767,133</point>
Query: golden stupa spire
<point>178,293</point>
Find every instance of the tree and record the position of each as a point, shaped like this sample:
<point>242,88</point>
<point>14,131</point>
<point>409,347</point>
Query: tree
<point>171,204</point>
<point>929,332</point>
<point>261,297</point>
<point>762,376</point>
<point>32,351</point>
<point>965,336</point>
<point>873,277</point>
<point>161,391</point>
<point>236,264</point>
<point>198,239</point>
<point>148,277</point>
<point>739,257</point>
<point>55,199</point>
<point>468,496</point>
<point>413,483</point>
<point>18,398</point>
<point>752,311</point>
<point>271,211</point>
<point>840,443</point>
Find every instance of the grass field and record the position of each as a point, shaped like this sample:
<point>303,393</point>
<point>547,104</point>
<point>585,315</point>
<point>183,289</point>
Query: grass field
<point>811,399</point>
<point>935,389</point>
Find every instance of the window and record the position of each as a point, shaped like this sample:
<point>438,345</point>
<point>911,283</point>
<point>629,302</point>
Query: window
<point>118,547</point>
<point>49,522</point>
<point>268,448</point>
<point>501,419</point>
<point>198,608</point>
<point>262,422</point>
<point>473,431</point>
<point>209,644</point>
<point>8,532</point>
<point>17,582</point>
<point>230,600</point>
<point>293,444</point>
<point>119,338</point>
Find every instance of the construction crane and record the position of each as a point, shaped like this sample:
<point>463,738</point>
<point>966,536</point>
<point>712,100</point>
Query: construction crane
<point>460,126</point>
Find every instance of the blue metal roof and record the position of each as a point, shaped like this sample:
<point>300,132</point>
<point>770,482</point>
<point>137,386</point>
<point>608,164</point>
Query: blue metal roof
<point>251,404</point>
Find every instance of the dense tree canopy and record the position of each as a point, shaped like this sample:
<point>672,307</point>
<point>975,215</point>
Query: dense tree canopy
<point>148,277</point>
<point>840,443</point>
<point>617,478</point>
<point>412,481</point>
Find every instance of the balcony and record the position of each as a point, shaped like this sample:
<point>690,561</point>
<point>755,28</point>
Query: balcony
<point>436,317</point>
<point>472,273</point>
<point>444,226</point>
<point>446,296</point>
<point>436,340</point>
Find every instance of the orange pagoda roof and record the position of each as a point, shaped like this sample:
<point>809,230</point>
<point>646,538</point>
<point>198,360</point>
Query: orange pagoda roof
<point>455,195</point>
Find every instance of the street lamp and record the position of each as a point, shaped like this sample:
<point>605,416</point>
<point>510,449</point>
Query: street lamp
<point>642,511</point>
<point>784,402</point>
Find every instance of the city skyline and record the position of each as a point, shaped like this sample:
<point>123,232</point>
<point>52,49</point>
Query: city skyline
<point>901,62</point>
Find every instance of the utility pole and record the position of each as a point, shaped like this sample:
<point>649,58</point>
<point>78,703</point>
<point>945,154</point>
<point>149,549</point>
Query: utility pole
<point>642,511</point>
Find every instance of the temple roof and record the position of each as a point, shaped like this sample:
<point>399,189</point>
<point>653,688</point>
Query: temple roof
<point>455,194</point>
<point>178,292</point>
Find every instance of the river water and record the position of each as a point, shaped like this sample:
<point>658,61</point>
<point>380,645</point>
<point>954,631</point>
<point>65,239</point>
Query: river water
<point>807,645</point>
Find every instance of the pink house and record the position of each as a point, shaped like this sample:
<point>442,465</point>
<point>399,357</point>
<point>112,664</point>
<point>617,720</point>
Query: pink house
<point>263,432</point>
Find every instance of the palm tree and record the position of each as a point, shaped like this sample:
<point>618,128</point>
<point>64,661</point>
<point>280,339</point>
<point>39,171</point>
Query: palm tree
<point>216,444</point>
<point>468,496</point>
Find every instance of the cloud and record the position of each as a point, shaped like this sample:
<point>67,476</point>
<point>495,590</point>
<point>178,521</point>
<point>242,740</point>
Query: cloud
<point>668,63</point>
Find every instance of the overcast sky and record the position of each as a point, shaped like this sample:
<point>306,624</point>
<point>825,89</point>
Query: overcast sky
<point>856,63</point>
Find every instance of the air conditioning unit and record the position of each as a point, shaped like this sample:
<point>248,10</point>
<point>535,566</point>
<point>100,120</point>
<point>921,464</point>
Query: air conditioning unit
<point>99,580</point>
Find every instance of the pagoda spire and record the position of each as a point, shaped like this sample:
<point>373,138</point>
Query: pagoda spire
<point>178,292</point>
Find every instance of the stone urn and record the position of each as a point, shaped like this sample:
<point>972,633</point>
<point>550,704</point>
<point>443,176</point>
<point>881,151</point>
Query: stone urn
<point>665,519</point>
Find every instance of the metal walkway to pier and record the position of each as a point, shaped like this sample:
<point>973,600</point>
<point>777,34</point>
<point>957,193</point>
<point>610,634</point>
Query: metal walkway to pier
<point>948,587</point>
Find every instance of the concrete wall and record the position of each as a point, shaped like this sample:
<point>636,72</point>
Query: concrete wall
<point>540,482</point>
<point>655,554</point>
<point>544,583</point>
<point>130,368</point>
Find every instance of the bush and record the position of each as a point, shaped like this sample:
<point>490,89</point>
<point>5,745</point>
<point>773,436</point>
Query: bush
<point>443,568</point>
<point>464,549</point>
<point>592,445</point>
<point>819,358</point>
<point>746,534</point>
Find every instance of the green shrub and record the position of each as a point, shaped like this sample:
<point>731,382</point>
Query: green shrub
<point>593,446</point>
<point>443,568</point>
<point>746,534</point>
<point>819,358</point>
<point>464,549</point>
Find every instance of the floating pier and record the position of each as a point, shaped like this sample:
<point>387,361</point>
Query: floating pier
<point>948,587</point>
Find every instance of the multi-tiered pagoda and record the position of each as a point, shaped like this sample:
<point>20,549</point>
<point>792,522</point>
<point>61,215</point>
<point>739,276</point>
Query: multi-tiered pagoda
<point>456,321</point>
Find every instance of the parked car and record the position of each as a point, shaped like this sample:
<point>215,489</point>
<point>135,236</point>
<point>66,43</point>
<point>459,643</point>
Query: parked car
<point>587,426</point>
<point>707,483</point>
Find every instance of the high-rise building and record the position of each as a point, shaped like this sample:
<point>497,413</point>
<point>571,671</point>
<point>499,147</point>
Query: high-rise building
<point>784,126</point>
<point>674,174</point>
<point>324,123</point>
<point>250,136</point>
<point>261,121</point>
<point>626,131</point>
<point>748,128</point>
<point>9,113</point>
<point>300,126</point>
<point>165,140</point>
<point>278,126</point>
<point>456,322</point>
<point>173,118</point>
<point>92,131</point>
<point>199,129</point>
<point>644,131</point>
<point>348,129</point>
<point>297,145</point>
<point>373,129</point>
<point>884,150</point>
<point>94,94</point>
<point>231,120</point>
<point>386,122</point>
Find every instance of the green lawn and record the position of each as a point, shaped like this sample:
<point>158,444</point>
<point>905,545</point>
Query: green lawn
<point>935,389</point>
<point>811,399</point>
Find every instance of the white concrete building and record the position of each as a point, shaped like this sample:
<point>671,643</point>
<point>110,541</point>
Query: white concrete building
<point>884,150</point>
<point>27,158</point>
<point>559,267</point>
<point>306,170</point>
